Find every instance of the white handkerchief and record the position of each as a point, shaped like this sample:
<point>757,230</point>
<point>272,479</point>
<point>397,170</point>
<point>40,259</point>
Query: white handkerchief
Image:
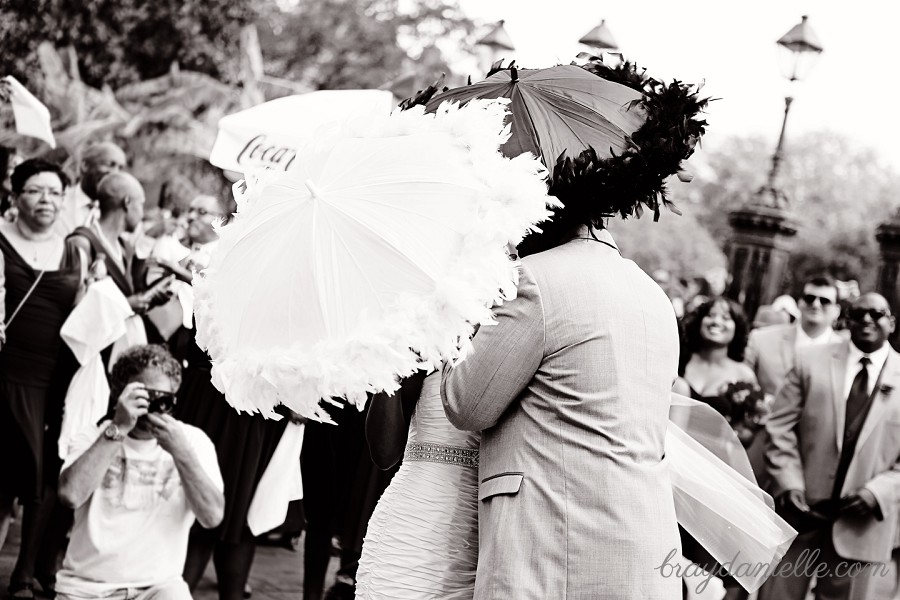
<point>167,247</point>
<point>280,483</point>
<point>185,294</point>
<point>135,335</point>
<point>97,321</point>
<point>86,402</point>
<point>32,117</point>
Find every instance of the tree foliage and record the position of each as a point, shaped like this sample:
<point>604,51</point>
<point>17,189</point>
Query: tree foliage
<point>839,194</point>
<point>335,44</point>
<point>123,41</point>
<point>321,44</point>
<point>677,244</point>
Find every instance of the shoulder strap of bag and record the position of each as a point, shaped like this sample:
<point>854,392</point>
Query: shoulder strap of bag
<point>25,298</point>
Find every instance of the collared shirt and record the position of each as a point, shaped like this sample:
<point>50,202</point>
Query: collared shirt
<point>874,368</point>
<point>77,210</point>
<point>805,341</point>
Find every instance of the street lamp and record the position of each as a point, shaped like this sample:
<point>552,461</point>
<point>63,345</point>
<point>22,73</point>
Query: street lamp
<point>601,39</point>
<point>798,51</point>
<point>762,230</point>
<point>497,43</point>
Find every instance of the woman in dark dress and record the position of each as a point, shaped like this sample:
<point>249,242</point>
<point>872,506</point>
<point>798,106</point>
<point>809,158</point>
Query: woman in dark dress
<point>244,443</point>
<point>42,280</point>
<point>715,336</point>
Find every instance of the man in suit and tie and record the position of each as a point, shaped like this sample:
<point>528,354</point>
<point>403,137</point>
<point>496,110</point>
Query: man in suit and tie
<point>770,350</point>
<point>834,458</point>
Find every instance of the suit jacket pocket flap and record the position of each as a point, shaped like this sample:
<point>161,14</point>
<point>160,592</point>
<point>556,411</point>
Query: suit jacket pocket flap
<point>506,483</point>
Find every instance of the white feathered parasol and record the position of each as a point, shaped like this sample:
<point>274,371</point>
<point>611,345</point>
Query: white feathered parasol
<point>374,256</point>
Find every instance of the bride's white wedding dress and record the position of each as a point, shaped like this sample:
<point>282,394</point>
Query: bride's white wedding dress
<point>422,540</point>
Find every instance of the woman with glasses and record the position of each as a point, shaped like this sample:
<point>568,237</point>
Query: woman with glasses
<point>42,279</point>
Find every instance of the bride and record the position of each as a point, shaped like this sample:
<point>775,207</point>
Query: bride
<point>422,540</point>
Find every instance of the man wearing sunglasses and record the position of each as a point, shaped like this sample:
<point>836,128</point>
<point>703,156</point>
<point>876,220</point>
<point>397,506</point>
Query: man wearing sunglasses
<point>771,350</point>
<point>137,482</point>
<point>833,454</point>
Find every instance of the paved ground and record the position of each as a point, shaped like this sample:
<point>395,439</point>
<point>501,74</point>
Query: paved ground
<point>277,573</point>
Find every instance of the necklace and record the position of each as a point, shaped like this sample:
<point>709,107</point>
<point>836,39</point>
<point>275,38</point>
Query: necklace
<point>40,249</point>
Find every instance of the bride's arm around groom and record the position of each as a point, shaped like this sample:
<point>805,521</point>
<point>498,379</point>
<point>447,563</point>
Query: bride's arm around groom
<point>478,391</point>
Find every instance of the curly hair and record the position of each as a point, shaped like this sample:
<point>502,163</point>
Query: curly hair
<point>138,359</point>
<point>693,339</point>
<point>35,166</point>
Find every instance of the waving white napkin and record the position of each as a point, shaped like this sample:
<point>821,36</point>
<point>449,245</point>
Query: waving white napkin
<point>135,334</point>
<point>95,323</point>
<point>32,117</point>
<point>280,483</point>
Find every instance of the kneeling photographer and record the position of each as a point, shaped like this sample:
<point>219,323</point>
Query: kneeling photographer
<point>137,481</point>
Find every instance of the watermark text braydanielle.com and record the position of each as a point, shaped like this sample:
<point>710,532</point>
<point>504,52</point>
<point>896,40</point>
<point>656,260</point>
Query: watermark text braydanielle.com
<point>807,564</point>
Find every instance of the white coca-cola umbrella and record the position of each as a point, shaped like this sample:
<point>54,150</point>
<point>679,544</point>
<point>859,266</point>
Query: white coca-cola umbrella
<point>270,135</point>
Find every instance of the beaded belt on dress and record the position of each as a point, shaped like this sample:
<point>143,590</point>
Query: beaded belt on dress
<point>454,455</point>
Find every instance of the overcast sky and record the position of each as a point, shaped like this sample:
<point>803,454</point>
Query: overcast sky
<point>731,45</point>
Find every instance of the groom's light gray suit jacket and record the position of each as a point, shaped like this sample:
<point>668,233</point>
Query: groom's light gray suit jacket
<point>571,388</point>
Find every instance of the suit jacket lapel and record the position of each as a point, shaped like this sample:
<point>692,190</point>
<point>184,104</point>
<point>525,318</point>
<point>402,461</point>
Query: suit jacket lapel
<point>879,401</point>
<point>838,371</point>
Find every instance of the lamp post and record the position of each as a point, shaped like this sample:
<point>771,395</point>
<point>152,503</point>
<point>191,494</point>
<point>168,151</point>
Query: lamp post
<point>601,39</point>
<point>759,249</point>
<point>496,43</point>
<point>798,50</point>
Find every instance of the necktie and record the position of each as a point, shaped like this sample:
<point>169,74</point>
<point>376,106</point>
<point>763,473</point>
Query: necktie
<point>857,408</point>
<point>859,393</point>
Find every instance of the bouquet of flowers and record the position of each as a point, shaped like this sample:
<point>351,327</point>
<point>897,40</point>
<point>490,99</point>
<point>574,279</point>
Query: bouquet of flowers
<point>748,408</point>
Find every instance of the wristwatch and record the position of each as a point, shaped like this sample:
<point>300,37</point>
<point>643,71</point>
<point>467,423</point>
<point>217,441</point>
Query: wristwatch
<point>112,433</point>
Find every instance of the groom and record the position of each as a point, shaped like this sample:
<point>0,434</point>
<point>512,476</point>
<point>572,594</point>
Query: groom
<point>571,389</point>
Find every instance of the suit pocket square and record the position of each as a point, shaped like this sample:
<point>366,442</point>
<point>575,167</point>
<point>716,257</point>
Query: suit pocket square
<point>504,483</point>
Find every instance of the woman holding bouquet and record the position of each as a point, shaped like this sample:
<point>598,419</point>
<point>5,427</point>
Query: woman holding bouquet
<point>712,371</point>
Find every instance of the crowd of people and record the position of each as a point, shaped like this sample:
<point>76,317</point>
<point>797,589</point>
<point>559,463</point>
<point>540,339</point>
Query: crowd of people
<point>153,458</point>
<point>138,504</point>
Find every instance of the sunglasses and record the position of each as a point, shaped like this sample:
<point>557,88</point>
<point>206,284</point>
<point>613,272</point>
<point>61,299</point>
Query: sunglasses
<point>810,299</point>
<point>859,314</point>
<point>161,401</point>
